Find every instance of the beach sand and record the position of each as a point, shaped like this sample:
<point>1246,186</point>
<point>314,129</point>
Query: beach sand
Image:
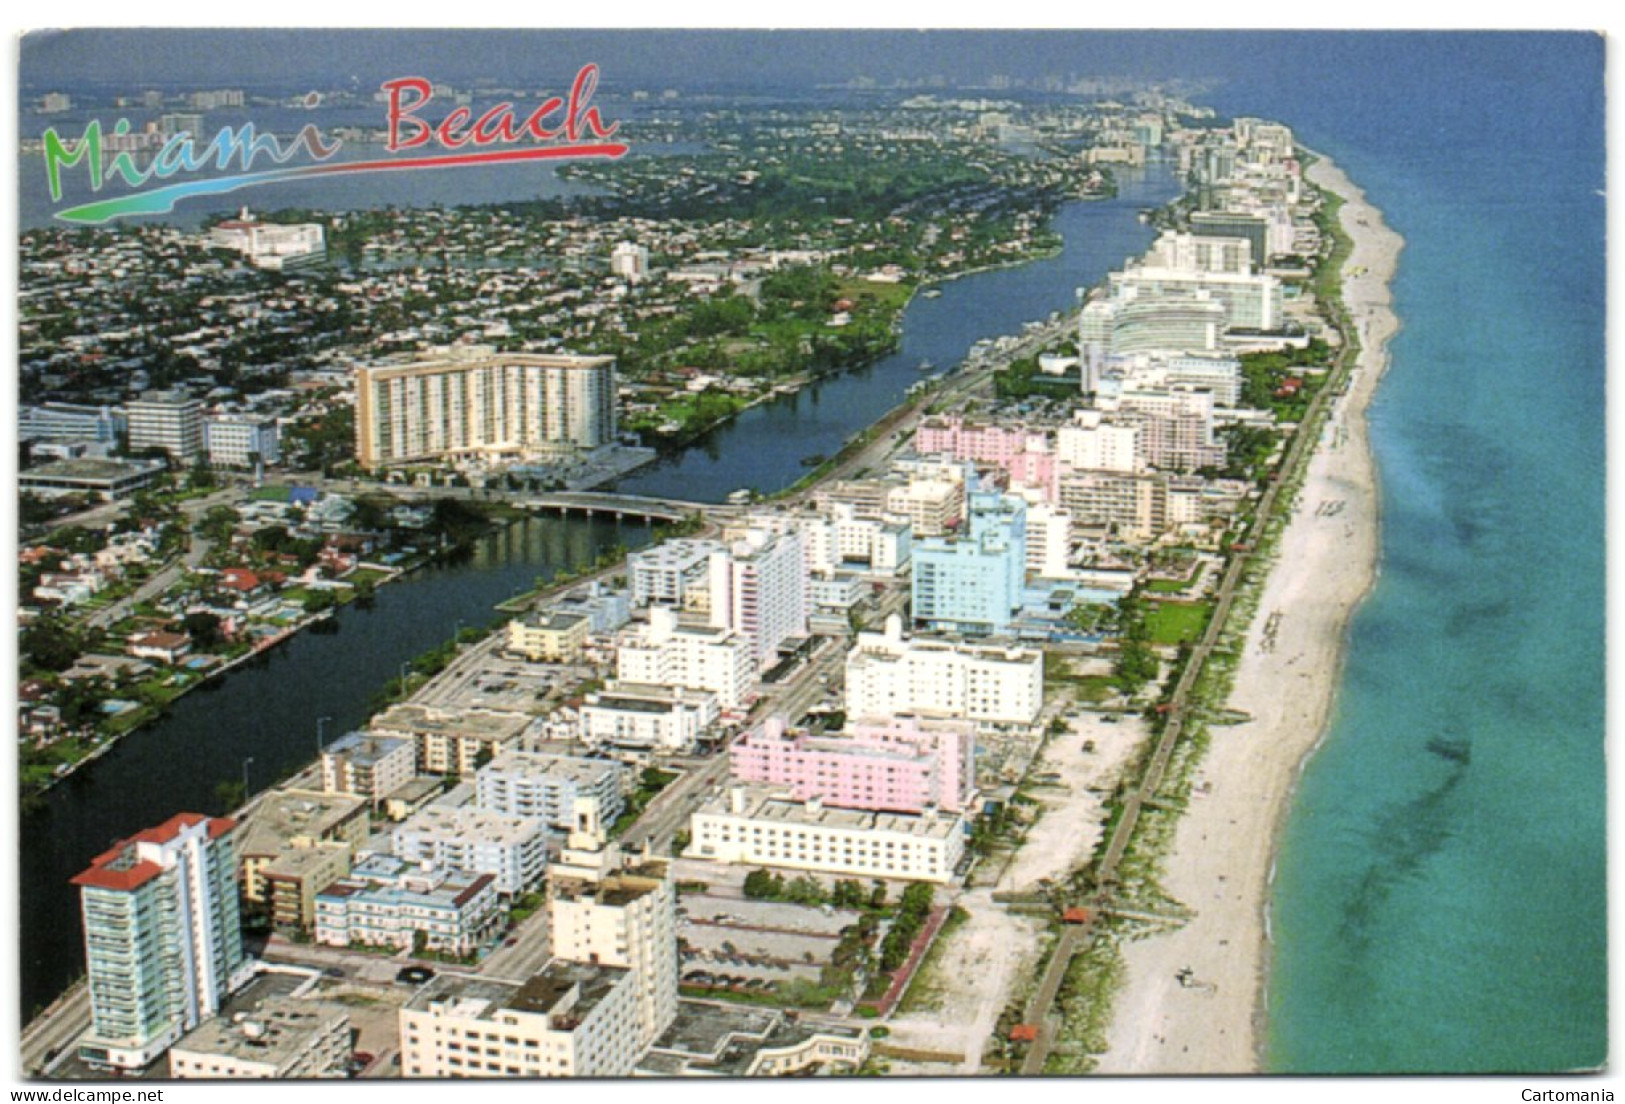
<point>1223,853</point>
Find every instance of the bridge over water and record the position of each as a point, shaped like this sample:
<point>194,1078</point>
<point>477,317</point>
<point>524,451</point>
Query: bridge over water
<point>618,506</point>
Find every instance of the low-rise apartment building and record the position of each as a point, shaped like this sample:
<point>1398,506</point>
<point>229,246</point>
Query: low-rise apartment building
<point>545,787</point>
<point>511,849</point>
<point>387,902</point>
<point>635,717</point>
<point>281,1038</point>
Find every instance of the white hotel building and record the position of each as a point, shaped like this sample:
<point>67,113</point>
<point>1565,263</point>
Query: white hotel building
<point>887,675</point>
<point>759,590</point>
<point>629,716</point>
<point>569,1020</point>
<point>759,826</point>
<point>474,403</point>
<point>239,441</point>
<point>696,657</point>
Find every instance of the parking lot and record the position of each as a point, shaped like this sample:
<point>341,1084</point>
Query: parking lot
<point>757,943</point>
<point>506,685</point>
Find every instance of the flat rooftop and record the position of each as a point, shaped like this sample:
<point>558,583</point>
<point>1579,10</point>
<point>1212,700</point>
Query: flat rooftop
<point>466,824</point>
<point>768,804</point>
<point>554,620</point>
<point>554,768</point>
<point>364,748</point>
<point>276,1033</point>
<point>296,862</point>
<point>91,470</point>
<point>681,552</point>
<point>479,724</point>
<point>486,999</point>
<point>722,1039</point>
<point>288,814</point>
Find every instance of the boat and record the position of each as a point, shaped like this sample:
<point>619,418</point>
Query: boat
<point>931,293</point>
<point>925,366</point>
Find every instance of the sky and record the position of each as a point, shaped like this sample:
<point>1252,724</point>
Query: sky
<point>244,58</point>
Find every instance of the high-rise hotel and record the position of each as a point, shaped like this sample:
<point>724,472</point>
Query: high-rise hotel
<point>472,402</point>
<point>163,943</point>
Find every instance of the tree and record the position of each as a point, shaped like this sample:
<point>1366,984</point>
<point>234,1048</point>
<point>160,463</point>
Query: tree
<point>203,627</point>
<point>272,538</point>
<point>217,524</point>
<point>202,477</point>
<point>230,796</point>
<point>917,899</point>
<point>804,891</point>
<point>763,885</point>
<point>50,644</point>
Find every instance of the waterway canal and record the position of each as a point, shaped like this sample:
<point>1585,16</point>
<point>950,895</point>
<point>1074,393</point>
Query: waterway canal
<point>268,712</point>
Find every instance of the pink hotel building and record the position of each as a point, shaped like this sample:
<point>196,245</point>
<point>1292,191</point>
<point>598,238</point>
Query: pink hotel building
<point>898,764</point>
<point>1027,454</point>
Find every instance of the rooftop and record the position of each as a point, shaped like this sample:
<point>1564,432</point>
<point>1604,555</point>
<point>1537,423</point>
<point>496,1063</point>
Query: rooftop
<point>92,469</point>
<point>276,1033</point>
<point>485,999</point>
<point>364,748</point>
<point>723,1039</point>
<point>468,824</point>
<point>478,724</point>
<point>295,862</point>
<point>392,881</point>
<point>555,620</point>
<point>768,803</point>
<point>124,867</point>
<point>558,768</point>
<point>285,815</point>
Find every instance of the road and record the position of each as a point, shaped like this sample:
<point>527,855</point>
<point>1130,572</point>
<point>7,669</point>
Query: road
<point>52,1032</point>
<point>171,572</point>
<point>667,815</point>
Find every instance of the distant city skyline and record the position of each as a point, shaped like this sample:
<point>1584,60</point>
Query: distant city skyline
<point>629,58</point>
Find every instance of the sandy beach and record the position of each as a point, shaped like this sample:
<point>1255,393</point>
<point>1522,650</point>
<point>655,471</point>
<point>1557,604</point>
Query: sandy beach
<point>1222,858</point>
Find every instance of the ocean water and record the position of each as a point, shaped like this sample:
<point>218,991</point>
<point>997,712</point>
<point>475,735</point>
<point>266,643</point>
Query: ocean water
<point>1441,891</point>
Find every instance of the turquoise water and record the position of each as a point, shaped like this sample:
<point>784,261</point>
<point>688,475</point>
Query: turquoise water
<point>1441,891</point>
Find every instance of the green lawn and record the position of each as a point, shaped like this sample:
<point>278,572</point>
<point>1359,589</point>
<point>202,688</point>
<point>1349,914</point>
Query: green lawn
<point>1167,586</point>
<point>366,575</point>
<point>1095,688</point>
<point>1177,623</point>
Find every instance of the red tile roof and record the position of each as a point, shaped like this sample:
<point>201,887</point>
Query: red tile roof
<point>467,895</point>
<point>114,868</point>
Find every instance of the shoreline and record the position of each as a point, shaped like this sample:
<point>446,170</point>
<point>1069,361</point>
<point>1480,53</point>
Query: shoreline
<point>1223,860</point>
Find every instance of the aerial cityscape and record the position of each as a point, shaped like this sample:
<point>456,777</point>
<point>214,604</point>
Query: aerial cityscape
<point>674,554</point>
